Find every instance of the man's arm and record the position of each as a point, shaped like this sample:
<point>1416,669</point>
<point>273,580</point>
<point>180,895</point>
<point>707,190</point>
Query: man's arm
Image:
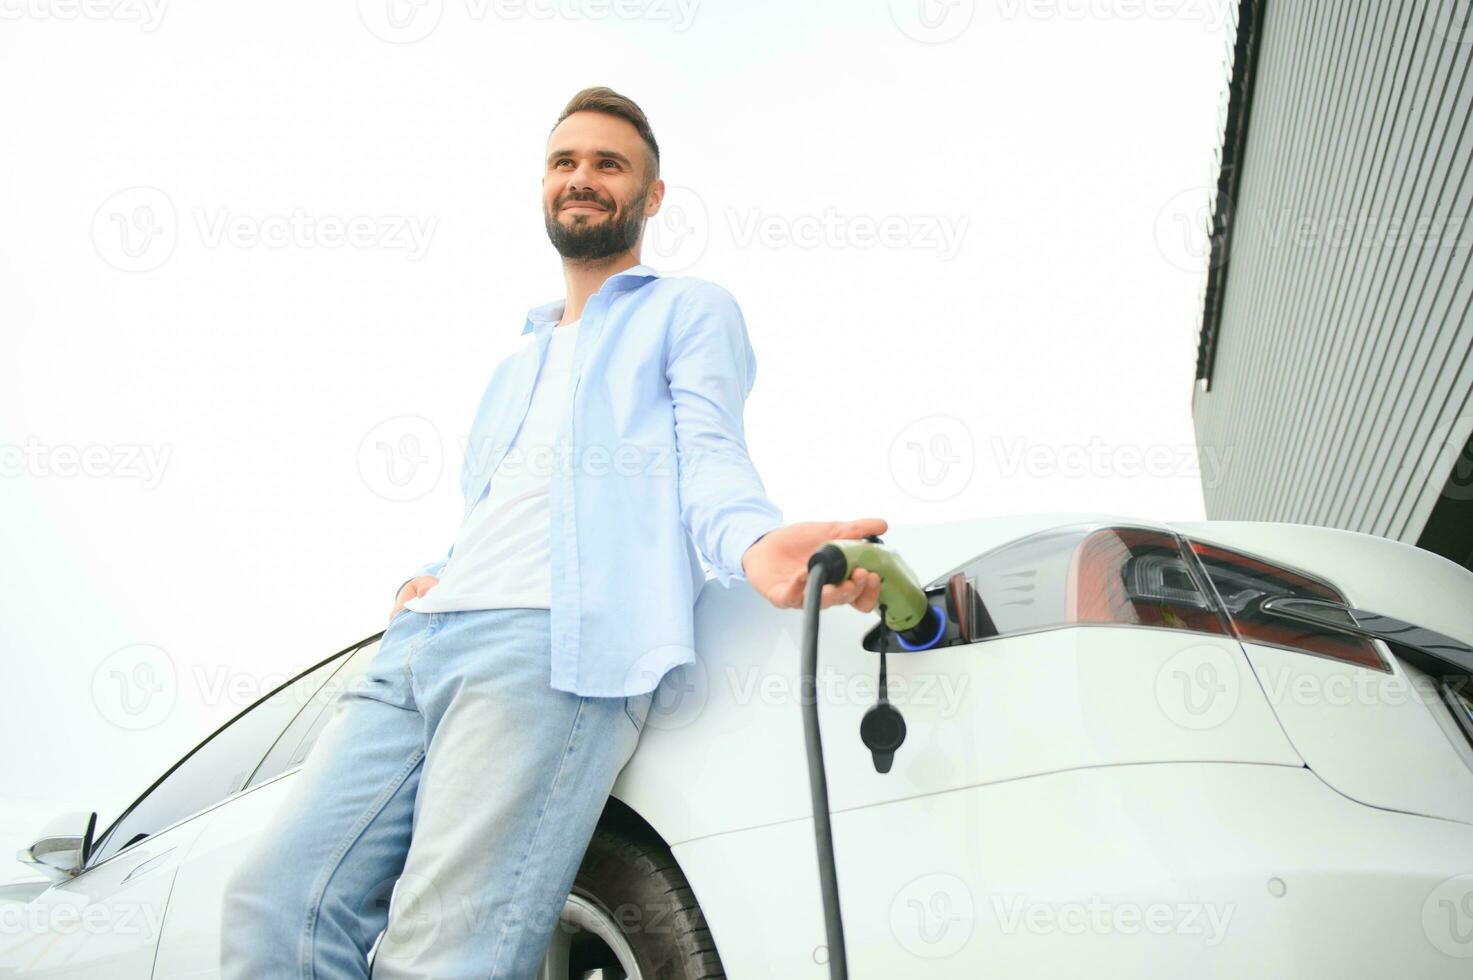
<point>710,369</point>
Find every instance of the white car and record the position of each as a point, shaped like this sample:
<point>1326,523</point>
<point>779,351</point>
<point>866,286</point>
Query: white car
<point>1118,762</point>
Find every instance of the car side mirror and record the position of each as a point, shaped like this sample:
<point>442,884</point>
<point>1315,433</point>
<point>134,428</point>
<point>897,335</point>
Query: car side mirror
<point>65,844</point>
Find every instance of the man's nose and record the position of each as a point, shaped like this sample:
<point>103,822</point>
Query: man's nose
<point>581,178</point>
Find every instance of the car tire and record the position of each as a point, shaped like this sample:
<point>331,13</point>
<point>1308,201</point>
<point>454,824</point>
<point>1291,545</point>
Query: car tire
<point>636,886</point>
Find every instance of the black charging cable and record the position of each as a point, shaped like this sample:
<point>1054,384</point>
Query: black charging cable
<point>817,779</point>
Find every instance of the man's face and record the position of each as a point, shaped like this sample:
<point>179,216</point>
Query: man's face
<point>596,191</point>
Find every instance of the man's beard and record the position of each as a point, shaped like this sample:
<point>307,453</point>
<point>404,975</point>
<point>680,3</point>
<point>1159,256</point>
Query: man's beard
<point>595,239</point>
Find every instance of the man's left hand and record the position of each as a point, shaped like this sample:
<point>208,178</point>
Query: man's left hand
<point>777,564</point>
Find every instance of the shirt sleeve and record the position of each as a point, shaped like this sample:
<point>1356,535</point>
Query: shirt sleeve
<point>710,368</point>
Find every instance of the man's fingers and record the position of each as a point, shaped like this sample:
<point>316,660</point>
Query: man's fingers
<point>867,525</point>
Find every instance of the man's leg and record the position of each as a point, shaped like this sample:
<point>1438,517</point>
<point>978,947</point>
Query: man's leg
<point>309,899</point>
<point>515,780</point>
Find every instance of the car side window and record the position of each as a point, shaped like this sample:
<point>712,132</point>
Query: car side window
<point>216,767</point>
<point>296,743</point>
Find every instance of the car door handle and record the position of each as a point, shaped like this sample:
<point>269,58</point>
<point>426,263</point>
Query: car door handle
<point>147,865</point>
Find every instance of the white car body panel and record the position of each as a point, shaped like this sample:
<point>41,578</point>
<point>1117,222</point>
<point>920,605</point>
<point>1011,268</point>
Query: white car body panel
<point>1057,768</point>
<point>1170,870</point>
<point>1385,740</point>
<point>191,939</point>
<point>105,924</point>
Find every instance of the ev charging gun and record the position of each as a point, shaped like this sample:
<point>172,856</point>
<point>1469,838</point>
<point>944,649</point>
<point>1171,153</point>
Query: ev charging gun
<point>918,625</point>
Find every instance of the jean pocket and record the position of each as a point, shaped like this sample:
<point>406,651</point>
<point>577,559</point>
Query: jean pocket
<point>637,708</point>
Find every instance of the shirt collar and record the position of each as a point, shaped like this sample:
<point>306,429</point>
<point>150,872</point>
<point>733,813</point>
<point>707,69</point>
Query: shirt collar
<point>550,313</point>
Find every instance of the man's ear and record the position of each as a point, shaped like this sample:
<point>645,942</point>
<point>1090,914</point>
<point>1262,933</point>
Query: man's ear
<point>653,199</point>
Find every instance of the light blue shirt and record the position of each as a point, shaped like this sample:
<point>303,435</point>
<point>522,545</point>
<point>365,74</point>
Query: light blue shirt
<point>652,468</point>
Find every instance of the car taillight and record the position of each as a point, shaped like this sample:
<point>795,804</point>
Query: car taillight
<point>1243,582</point>
<point>1140,576</point>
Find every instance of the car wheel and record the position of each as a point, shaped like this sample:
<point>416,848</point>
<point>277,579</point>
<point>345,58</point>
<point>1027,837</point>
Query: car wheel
<point>631,916</point>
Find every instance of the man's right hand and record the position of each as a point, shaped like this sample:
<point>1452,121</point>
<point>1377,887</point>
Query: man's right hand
<point>413,589</point>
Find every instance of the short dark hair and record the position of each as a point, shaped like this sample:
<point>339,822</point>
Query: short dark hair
<point>601,98</point>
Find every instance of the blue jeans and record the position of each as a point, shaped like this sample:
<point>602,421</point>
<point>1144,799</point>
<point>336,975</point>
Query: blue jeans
<point>454,776</point>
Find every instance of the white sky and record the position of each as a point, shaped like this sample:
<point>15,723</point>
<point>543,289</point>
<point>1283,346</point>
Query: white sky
<point>1021,336</point>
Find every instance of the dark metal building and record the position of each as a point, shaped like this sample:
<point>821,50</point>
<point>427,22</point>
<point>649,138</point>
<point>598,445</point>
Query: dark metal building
<point>1333,371</point>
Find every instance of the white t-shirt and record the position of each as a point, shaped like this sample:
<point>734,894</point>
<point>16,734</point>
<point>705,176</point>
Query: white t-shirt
<point>500,559</point>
